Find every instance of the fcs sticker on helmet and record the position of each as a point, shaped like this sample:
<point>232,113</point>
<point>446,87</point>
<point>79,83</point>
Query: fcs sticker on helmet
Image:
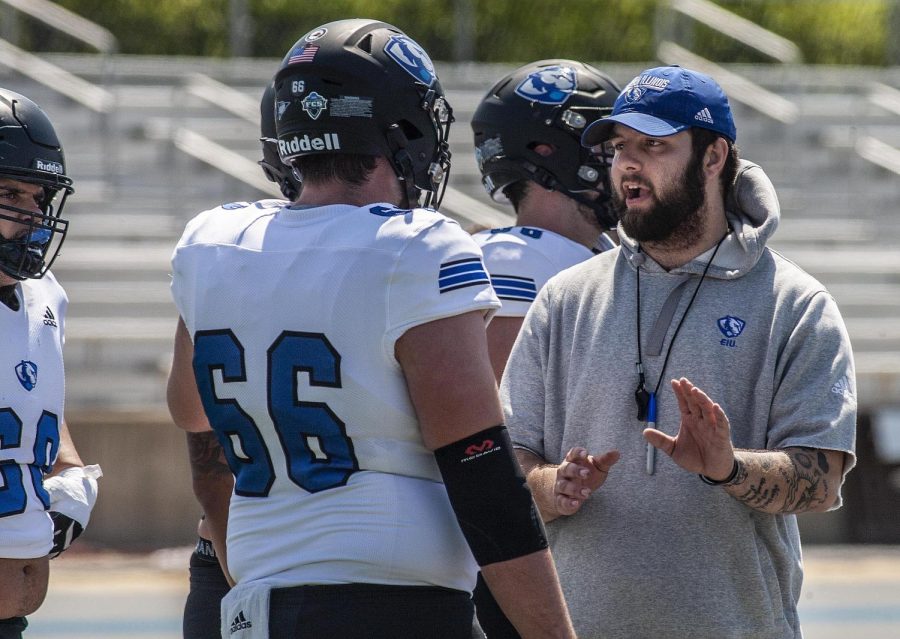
<point>313,104</point>
<point>550,85</point>
<point>411,58</point>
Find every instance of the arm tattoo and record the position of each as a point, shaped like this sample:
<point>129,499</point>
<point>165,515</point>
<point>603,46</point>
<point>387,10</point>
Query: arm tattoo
<point>807,485</point>
<point>793,480</point>
<point>206,455</point>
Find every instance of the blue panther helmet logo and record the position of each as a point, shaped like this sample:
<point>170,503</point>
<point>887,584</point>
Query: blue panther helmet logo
<point>411,57</point>
<point>27,373</point>
<point>549,85</point>
<point>731,326</point>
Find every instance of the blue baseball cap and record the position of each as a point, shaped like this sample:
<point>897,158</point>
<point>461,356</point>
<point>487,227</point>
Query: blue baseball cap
<point>664,101</point>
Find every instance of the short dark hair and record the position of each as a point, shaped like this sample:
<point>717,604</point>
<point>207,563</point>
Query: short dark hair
<point>516,192</point>
<point>351,168</point>
<point>701,139</point>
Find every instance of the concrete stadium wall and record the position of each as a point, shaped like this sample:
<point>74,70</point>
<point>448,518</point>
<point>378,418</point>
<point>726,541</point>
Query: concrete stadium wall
<point>145,499</point>
<point>146,502</point>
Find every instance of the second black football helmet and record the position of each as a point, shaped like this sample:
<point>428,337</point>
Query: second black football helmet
<point>30,152</point>
<point>365,87</point>
<point>273,168</point>
<point>546,102</point>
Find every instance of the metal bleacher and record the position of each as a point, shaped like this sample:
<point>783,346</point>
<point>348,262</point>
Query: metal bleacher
<point>174,136</point>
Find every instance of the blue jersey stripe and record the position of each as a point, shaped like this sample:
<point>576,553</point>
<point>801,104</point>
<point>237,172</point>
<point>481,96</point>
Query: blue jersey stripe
<point>514,294</point>
<point>467,284</point>
<point>461,273</point>
<point>469,279</point>
<point>507,281</point>
<point>461,267</point>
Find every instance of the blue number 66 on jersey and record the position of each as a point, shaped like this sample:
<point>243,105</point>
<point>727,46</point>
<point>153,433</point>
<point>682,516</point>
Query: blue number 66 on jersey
<point>297,423</point>
<point>13,497</point>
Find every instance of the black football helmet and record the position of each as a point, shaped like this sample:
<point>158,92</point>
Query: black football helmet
<point>30,152</point>
<point>546,102</point>
<point>273,168</point>
<point>365,87</point>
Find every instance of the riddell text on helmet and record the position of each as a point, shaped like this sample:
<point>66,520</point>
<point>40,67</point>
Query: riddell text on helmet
<point>48,165</point>
<point>328,142</point>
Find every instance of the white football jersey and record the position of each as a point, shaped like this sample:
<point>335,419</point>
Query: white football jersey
<point>520,260</point>
<point>31,410</point>
<point>294,315</point>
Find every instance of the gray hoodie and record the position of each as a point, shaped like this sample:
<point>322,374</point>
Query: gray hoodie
<point>666,555</point>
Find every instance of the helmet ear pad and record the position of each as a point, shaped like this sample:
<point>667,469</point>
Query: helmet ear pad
<point>364,87</point>
<point>543,104</point>
<point>30,152</point>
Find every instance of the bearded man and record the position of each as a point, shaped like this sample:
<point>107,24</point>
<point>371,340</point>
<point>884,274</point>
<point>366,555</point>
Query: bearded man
<point>695,339</point>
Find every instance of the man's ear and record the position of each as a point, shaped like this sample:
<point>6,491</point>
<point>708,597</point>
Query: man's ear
<point>716,155</point>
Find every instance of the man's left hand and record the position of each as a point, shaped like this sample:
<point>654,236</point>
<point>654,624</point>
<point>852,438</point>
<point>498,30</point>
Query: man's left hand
<point>703,442</point>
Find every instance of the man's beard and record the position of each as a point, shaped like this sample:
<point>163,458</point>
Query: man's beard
<point>675,218</point>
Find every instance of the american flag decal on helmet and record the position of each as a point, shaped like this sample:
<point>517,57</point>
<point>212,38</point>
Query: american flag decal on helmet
<point>462,273</point>
<point>303,54</point>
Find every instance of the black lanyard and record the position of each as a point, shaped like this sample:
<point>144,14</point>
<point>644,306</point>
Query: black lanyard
<point>642,396</point>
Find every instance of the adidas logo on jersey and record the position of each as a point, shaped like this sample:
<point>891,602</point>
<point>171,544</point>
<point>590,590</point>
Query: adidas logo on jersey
<point>240,623</point>
<point>704,116</point>
<point>842,387</point>
<point>49,318</point>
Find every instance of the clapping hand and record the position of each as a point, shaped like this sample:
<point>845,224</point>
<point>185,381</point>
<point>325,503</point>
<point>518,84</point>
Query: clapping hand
<point>578,476</point>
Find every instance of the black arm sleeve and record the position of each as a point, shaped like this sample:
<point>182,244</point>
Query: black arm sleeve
<point>490,497</point>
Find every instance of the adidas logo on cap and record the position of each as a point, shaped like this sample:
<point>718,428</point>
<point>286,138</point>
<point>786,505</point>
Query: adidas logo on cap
<point>704,116</point>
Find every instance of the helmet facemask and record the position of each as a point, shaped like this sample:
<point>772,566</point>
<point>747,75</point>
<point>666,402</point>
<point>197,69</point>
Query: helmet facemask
<point>38,238</point>
<point>423,190</point>
<point>594,172</point>
<point>549,102</point>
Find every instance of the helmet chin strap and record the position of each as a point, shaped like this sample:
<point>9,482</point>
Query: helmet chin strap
<point>8,297</point>
<point>21,259</point>
<point>403,165</point>
<point>404,169</point>
<point>600,205</point>
<point>26,255</point>
<point>436,173</point>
